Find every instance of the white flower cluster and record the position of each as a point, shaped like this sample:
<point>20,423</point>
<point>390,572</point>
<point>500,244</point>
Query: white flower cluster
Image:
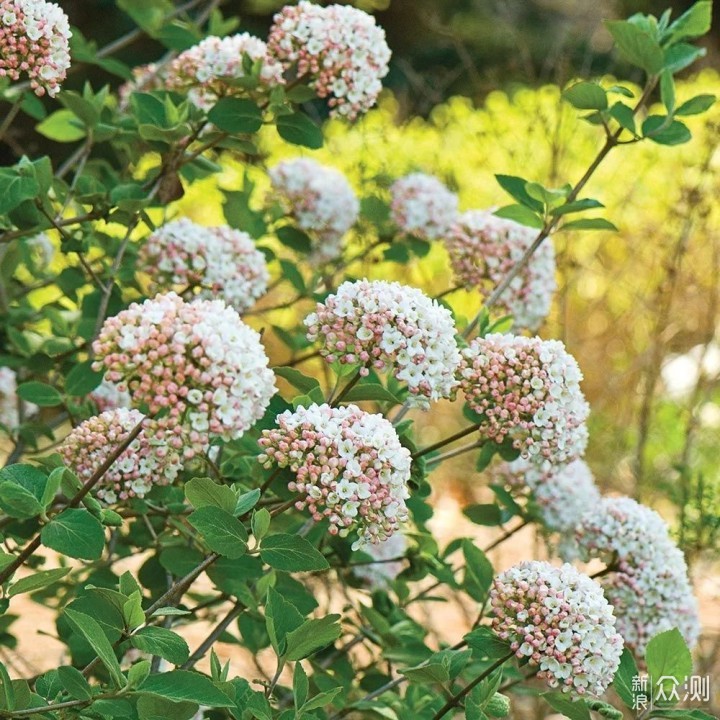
<point>561,493</point>
<point>339,49</point>
<point>34,39</point>
<point>379,574</point>
<point>201,372</point>
<point>650,588</point>
<point>527,390</point>
<point>223,262</point>
<point>484,248</point>
<point>384,325</point>
<point>350,468</point>
<point>9,415</point>
<point>207,69</point>
<point>422,206</point>
<point>561,622</point>
<point>320,200</point>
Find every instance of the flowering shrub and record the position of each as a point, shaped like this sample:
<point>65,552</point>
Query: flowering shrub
<point>226,430</point>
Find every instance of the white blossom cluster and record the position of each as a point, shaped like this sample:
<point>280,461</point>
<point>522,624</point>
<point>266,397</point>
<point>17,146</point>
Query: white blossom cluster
<point>320,200</point>
<point>382,325</point>
<point>484,248</point>
<point>649,586</point>
<point>221,261</point>
<point>350,468</point>
<point>527,390</point>
<point>561,622</point>
<point>422,206</point>
<point>386,566</point>
<point>338,49</point>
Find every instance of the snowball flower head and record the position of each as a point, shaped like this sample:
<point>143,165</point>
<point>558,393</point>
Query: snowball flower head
<point>338,49</point>
<point>207,69</point>
<point>108,396</point>
<point>527,391</point>
<point>422,206</point>
<point>379,574</point>
<point>34,39</point>
<point>561,622</point>
<point>384,325</point>
<point>320,200</point>
<point>9,411</point>
<point>41,250</point>
<point>223,262</point>
<point>146,462</point>
<point>561,493</point>
<point>650,589</point>
<point>483,248</point>
<point>349,467</point>
<point>196,364</point>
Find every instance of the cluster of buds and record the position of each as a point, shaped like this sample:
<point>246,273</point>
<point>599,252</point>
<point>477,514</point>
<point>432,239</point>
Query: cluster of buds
<point>197,368</point>
<point>527,391</point>
<point>144,463</point>
<point>422,206</point>
<point>320,200</point>
<point>34,39</point>
<point>383,325</point>
<point>559,620</point>
<point>649,586</point>
<point>349,467</point>
<point>337,49</point>
<point>217,261</point>
<point>484,248</point>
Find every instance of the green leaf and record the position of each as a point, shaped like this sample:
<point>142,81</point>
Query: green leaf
<point>691,24</point>
<point>92,632</point>
<point>520,214</point>
<point>246,502</point>
<point>291,553</point>
<point>667,91</point>
<point>152,707</point>
<point>150,15</point>
<point>657,129</point>
<point>696,105</point>
<point>478,572</point>
<point>260,523</point>
<point>636,45</point>
<point>624,677</point>
<point>682,55</point>
<point>75,533</point>
<point>515,187</point>
<point>370,391</point>
<point>37,581</point>
<point>160,641</point>
<point>236,115</point>
<point>186,685</point>
<point>7,686</point>
<point>138,672</point>
<point>300,94</point>
<point>576,206</point>
<point>223,532</point>
<point>19,502</point>
<point>74,682</point>
<point>304,383</point>
<point>311,636</point>
<point>301,686</point>
<point>17,184</point>
<point>39,393</point>
<point>573,709</point>
<point>293,238</point>
<point>431,672</point>
<point>624,116</point>
<point>586,96</point>
<point>488,514</point>
<point>321,700</point>
<point>82,379</point>
<point>667,656</point>
<point>299,129</point>
<point>486,645</point>
<point>204,492</point>
<point>281,618</point>
<point>62,126</point>
<point>589,224</point>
